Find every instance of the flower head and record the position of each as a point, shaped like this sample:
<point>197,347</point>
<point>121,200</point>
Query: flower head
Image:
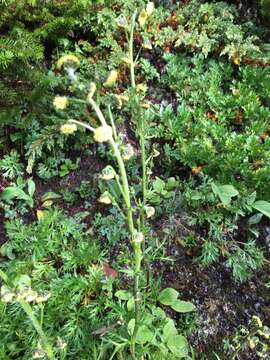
<point>150,211</point>
<point>122,21</point>
<point>6,294</point>
<point>105,198</point>
<point>67,59</point>
<point>150,7</point>
<point>111,79</point>
<point>61,344</point>
<point>138,237</point>
<point>147,44</point>
<point>42,297</point>
<point>142,17</point>
<point>128,152</point>
<point>68,129</point>
<point>38,354</point>
<point>108,173</point>
<point>103,133</point>
<point>60,102</point>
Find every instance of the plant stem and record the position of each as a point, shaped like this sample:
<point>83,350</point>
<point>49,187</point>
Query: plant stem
<point>45,344</point>
<point>29,312</point>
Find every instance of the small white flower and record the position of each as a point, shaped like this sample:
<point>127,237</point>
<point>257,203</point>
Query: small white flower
<point>6,294</point>
<point>150,211</point>
<point>105,198</point>
<point>138,237</point>
<point>147,44</point>
<point>108,173</point>
<point>30,295</point>
<point>38,354</point>
<point>122,21</point>
<point>128,152</point>
<point>42,297</point>
<point>61,344</point>
<point>150,7</point>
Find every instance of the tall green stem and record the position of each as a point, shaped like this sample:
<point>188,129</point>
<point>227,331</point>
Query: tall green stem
<point>137,245</point>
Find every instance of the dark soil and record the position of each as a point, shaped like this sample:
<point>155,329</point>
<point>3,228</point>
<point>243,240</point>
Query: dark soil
<point>222,304</point>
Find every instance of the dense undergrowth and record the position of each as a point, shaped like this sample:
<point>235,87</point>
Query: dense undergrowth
<point>197,115</point>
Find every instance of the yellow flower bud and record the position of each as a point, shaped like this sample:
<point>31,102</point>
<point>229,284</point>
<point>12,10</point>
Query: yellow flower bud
<point>60,102</point>
<point>68,129</point>
<point>91,91</point>
<point>103,133</point>
<point>105,198</point>
<point>67,59</point>
<point>111,79</point>
<point>142,17</point>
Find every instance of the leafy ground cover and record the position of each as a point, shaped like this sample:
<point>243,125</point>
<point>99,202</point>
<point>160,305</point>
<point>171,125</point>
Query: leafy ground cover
<point>185,89</point>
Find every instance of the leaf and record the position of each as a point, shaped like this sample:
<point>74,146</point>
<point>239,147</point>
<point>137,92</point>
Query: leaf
<point>41,214</point>
<point>47,204</point>
<point>50,195</point>
<point>255,219</point>
<point>12,192</point>
<point>178,345</point>
<point>131,326</point>
<point>108,271</point>
<point>171,183</point>
<point>169,330</point>
<point>144,335</point>
<point>131,304</point>
<point>224,192</point>
<point>158,185</point>
<point>123,295</point>
<point>263,207</point>
<point>168,296</point>
<point>182,306</point>
<point>31,187</point>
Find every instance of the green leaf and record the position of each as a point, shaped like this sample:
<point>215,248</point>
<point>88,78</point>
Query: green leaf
<point>178,345</point>
<point>12,192</point>
<point>169,330</point>
<point>50,195</point>
<point>263,207</point>
<point>171,183</point>
<point>31,187</point>
<point>224,192</point>
<point>131,304</point>
<point>158,185</point>
<point>131,326</point>
<point>144,335</point>
<point>182,306</point>
<point>123,295</point>
<point>168,296</point>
